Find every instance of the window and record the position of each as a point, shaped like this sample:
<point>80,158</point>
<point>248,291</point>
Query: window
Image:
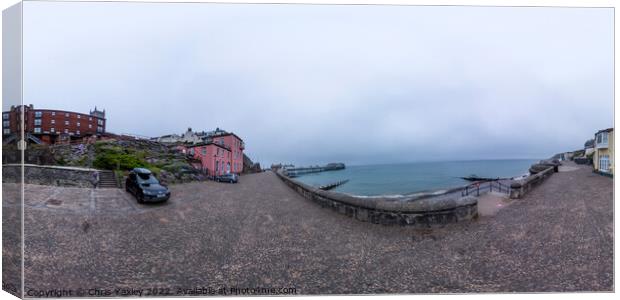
<point>38,114</point>
<point>204,150</point>
<point>66,114</point>
<point>5,116</point>
<point>604,163</point>
<point>602,138</point>
<point>99,129</point>
<point>7,131</point>
<point>5,123</point>
<point>77,132</point>
<point>66,122</point>
<point>90,118</point>
<point>53,121</point>
<point>52,130</point>
<point>99,122</point>
<point>66,130</point>
<point>37,122</point>
<point>79,116</point>
<point>90,125</point>
<point>78,124</point>
<point>37,130</point>
<point>53,113</point>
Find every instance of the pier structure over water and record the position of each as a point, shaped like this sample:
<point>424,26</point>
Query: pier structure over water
<point>294,172</point>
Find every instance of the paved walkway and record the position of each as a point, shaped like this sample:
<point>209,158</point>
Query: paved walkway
<point>261,233</point>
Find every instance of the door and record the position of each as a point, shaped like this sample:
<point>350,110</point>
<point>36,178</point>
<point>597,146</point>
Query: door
<point>604,163</point>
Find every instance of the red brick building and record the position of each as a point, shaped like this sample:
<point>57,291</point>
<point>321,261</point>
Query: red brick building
<point>52,126</point>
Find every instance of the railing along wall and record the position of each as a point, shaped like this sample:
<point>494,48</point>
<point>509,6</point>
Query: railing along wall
<point>479,188</point>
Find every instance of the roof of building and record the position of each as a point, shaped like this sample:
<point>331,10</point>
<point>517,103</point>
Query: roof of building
<point>60,110</point>
<point>207,144</point>
<point>226,134</point>
<point>605,130</point>
<point>169,135</point>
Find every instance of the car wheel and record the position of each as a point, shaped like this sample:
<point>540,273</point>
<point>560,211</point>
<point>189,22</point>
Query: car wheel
<point>140,198</point>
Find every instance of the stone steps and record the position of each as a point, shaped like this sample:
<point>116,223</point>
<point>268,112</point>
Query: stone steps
<point>107,179</point>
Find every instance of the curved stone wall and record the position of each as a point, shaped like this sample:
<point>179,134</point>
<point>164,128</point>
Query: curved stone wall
<point>422,210</point>
<point>519,188</point>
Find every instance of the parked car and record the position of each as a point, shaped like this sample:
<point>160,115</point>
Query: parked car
<point>231,178</point>
<point>145,187</point>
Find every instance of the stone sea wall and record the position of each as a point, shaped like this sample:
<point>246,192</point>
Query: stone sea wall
<point>519,188</point>
<point>421,210</point>
<point>49,175</point>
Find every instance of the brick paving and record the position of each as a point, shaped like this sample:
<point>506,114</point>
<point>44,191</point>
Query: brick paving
<point>261,233</point>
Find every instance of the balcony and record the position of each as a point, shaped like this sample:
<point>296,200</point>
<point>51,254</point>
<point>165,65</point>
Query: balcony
<point>601,140</point>
<point>603,145</point>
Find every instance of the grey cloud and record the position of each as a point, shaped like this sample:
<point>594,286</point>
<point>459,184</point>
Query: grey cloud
<point>313,84</point>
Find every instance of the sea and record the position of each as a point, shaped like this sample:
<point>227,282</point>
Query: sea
<point>410,178</point>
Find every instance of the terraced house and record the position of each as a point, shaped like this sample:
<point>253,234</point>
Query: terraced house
<point>604,151</point>
<point>219,154</point>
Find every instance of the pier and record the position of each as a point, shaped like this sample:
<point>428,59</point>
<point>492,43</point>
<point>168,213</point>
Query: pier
<point>294,172</point>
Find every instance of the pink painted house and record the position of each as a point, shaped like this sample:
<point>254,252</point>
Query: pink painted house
<point>215,159</point>
<point>223,154</point>
<point>236,146</point>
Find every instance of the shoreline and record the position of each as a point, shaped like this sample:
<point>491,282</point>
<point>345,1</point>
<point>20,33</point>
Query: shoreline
<point>391,185</point>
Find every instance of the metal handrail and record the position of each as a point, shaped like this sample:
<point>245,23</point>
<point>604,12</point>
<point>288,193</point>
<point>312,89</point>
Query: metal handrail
<point>478,187</point>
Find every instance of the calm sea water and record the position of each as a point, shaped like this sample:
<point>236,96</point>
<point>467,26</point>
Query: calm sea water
<point>403,179</point>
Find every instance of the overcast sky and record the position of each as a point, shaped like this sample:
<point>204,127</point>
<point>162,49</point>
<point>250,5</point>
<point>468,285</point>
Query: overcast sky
<point>311,84</point>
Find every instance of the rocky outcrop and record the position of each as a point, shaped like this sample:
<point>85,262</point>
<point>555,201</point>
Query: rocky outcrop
<point>119,155</point>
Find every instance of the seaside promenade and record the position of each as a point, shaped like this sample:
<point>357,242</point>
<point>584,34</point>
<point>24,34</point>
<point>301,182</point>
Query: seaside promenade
<point>260,233</point>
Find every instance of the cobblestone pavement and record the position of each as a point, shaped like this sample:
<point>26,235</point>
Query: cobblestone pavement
<point>259,233</point>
